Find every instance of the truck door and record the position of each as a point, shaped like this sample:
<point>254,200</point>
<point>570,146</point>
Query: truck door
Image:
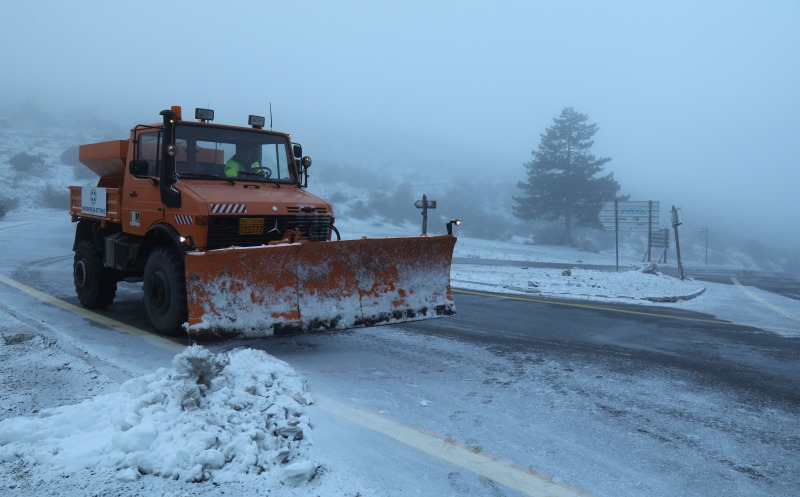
<point>142,199</point>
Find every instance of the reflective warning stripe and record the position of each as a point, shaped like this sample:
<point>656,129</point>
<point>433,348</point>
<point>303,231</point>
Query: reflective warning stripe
<point>183,219</point>
<point>228,209</point>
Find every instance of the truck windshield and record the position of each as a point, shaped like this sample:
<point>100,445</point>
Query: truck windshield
<point>206,152</point>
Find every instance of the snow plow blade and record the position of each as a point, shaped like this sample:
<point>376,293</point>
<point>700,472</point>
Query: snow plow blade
<point>314,286</point>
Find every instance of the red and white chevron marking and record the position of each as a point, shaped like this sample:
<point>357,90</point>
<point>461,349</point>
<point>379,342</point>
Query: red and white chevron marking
<point>228,208</point>
<point>183,219</point>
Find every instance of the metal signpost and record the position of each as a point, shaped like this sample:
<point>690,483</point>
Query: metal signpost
<point>425,204</point>
<point>677,221</point>
<point>630,215</point>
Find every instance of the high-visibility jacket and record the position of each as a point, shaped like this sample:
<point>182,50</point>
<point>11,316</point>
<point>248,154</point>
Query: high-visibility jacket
<point>232,167</point>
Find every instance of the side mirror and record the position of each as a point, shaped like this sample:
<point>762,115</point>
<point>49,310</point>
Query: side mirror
<point>297,150</point>
<point>139,168</point>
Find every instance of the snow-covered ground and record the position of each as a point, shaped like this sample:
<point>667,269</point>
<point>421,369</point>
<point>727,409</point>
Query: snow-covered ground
<point>236,423</point>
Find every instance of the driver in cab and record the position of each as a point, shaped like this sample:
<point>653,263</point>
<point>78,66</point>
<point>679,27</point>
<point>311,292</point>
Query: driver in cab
<point>243,160</point>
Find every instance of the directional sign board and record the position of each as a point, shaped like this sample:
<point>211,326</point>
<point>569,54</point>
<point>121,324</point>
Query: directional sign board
<point>660,238</point>
<point>630,215</point>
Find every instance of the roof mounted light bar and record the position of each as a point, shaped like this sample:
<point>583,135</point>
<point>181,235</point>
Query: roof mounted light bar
<point>204,115</point>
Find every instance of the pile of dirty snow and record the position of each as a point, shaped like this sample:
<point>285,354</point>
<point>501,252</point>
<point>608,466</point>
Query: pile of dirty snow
<point>209,417</point>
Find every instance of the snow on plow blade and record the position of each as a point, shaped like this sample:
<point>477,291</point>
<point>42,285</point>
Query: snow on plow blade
<point>314,286</point>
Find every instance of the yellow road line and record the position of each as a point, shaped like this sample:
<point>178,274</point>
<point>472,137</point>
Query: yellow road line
<point>760,300</point>
<point>525,480</point>
<point>522,479</point>
<point>92,316</point>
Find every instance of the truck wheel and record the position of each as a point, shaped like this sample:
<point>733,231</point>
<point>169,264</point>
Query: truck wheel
<point>165,291</point>
<point>95,285</point>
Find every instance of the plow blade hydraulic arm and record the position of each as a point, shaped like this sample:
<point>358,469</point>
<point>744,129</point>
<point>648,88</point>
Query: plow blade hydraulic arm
<point>314,286</point>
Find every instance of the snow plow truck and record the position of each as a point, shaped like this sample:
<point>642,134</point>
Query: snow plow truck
<point>216,222</point>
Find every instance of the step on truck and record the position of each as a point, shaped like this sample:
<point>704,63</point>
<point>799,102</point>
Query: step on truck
<point>216,222</point>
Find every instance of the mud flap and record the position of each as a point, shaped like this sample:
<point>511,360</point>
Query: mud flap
<point>314,286</point>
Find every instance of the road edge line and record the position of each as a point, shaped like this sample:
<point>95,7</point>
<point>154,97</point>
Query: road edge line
<point>762,301</point>
<point>525,480</point>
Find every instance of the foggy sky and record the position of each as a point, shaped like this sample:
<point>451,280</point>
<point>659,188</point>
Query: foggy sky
<point>697,102</point>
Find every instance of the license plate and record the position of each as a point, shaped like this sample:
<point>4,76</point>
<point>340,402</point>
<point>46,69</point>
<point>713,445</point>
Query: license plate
<point>251,226</point>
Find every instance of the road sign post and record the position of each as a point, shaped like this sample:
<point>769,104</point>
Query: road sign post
<point>425,204</point>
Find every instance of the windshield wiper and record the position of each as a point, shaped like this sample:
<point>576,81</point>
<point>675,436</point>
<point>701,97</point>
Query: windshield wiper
<point>256,175</point>
<point>206,176</point>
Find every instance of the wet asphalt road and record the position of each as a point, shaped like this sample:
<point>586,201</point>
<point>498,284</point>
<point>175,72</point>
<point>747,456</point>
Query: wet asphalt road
<point>759,366</point>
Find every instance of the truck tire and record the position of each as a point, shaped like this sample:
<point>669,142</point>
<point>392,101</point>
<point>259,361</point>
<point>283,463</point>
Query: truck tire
<point>95,285</point>
<point>165,291</point>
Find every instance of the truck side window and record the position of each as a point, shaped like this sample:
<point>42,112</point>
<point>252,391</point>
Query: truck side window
<point>149,150</point>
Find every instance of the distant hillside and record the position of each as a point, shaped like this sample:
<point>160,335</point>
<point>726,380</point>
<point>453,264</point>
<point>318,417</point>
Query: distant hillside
<point>376,178</point>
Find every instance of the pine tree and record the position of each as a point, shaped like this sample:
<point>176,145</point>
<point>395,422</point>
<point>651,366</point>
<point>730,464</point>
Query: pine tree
<point>562,177</point>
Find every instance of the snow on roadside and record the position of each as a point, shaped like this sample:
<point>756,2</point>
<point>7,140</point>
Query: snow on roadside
<point>209,417</point>
<point>586,284</point>
<point>31,363</point>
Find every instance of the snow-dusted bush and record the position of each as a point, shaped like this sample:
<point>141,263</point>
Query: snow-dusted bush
<point>54,196</point>
<point>70,158</point>
<point>24,162</point>
<point>7,204</point>
<point>397,206</point>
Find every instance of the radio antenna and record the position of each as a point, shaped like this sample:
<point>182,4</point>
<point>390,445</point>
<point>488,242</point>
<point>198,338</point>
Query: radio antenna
<point>270,115</point>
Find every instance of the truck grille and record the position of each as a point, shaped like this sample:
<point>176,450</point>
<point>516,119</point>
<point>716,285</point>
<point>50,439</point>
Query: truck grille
<point>223,231</point>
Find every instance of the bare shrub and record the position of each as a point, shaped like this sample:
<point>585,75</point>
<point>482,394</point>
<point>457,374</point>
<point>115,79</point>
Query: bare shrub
<point>54,196</point>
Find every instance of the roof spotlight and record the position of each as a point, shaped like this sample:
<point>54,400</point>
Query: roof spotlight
<point>450,224</point>
<point>256,121</point>
<point>204,115</point>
